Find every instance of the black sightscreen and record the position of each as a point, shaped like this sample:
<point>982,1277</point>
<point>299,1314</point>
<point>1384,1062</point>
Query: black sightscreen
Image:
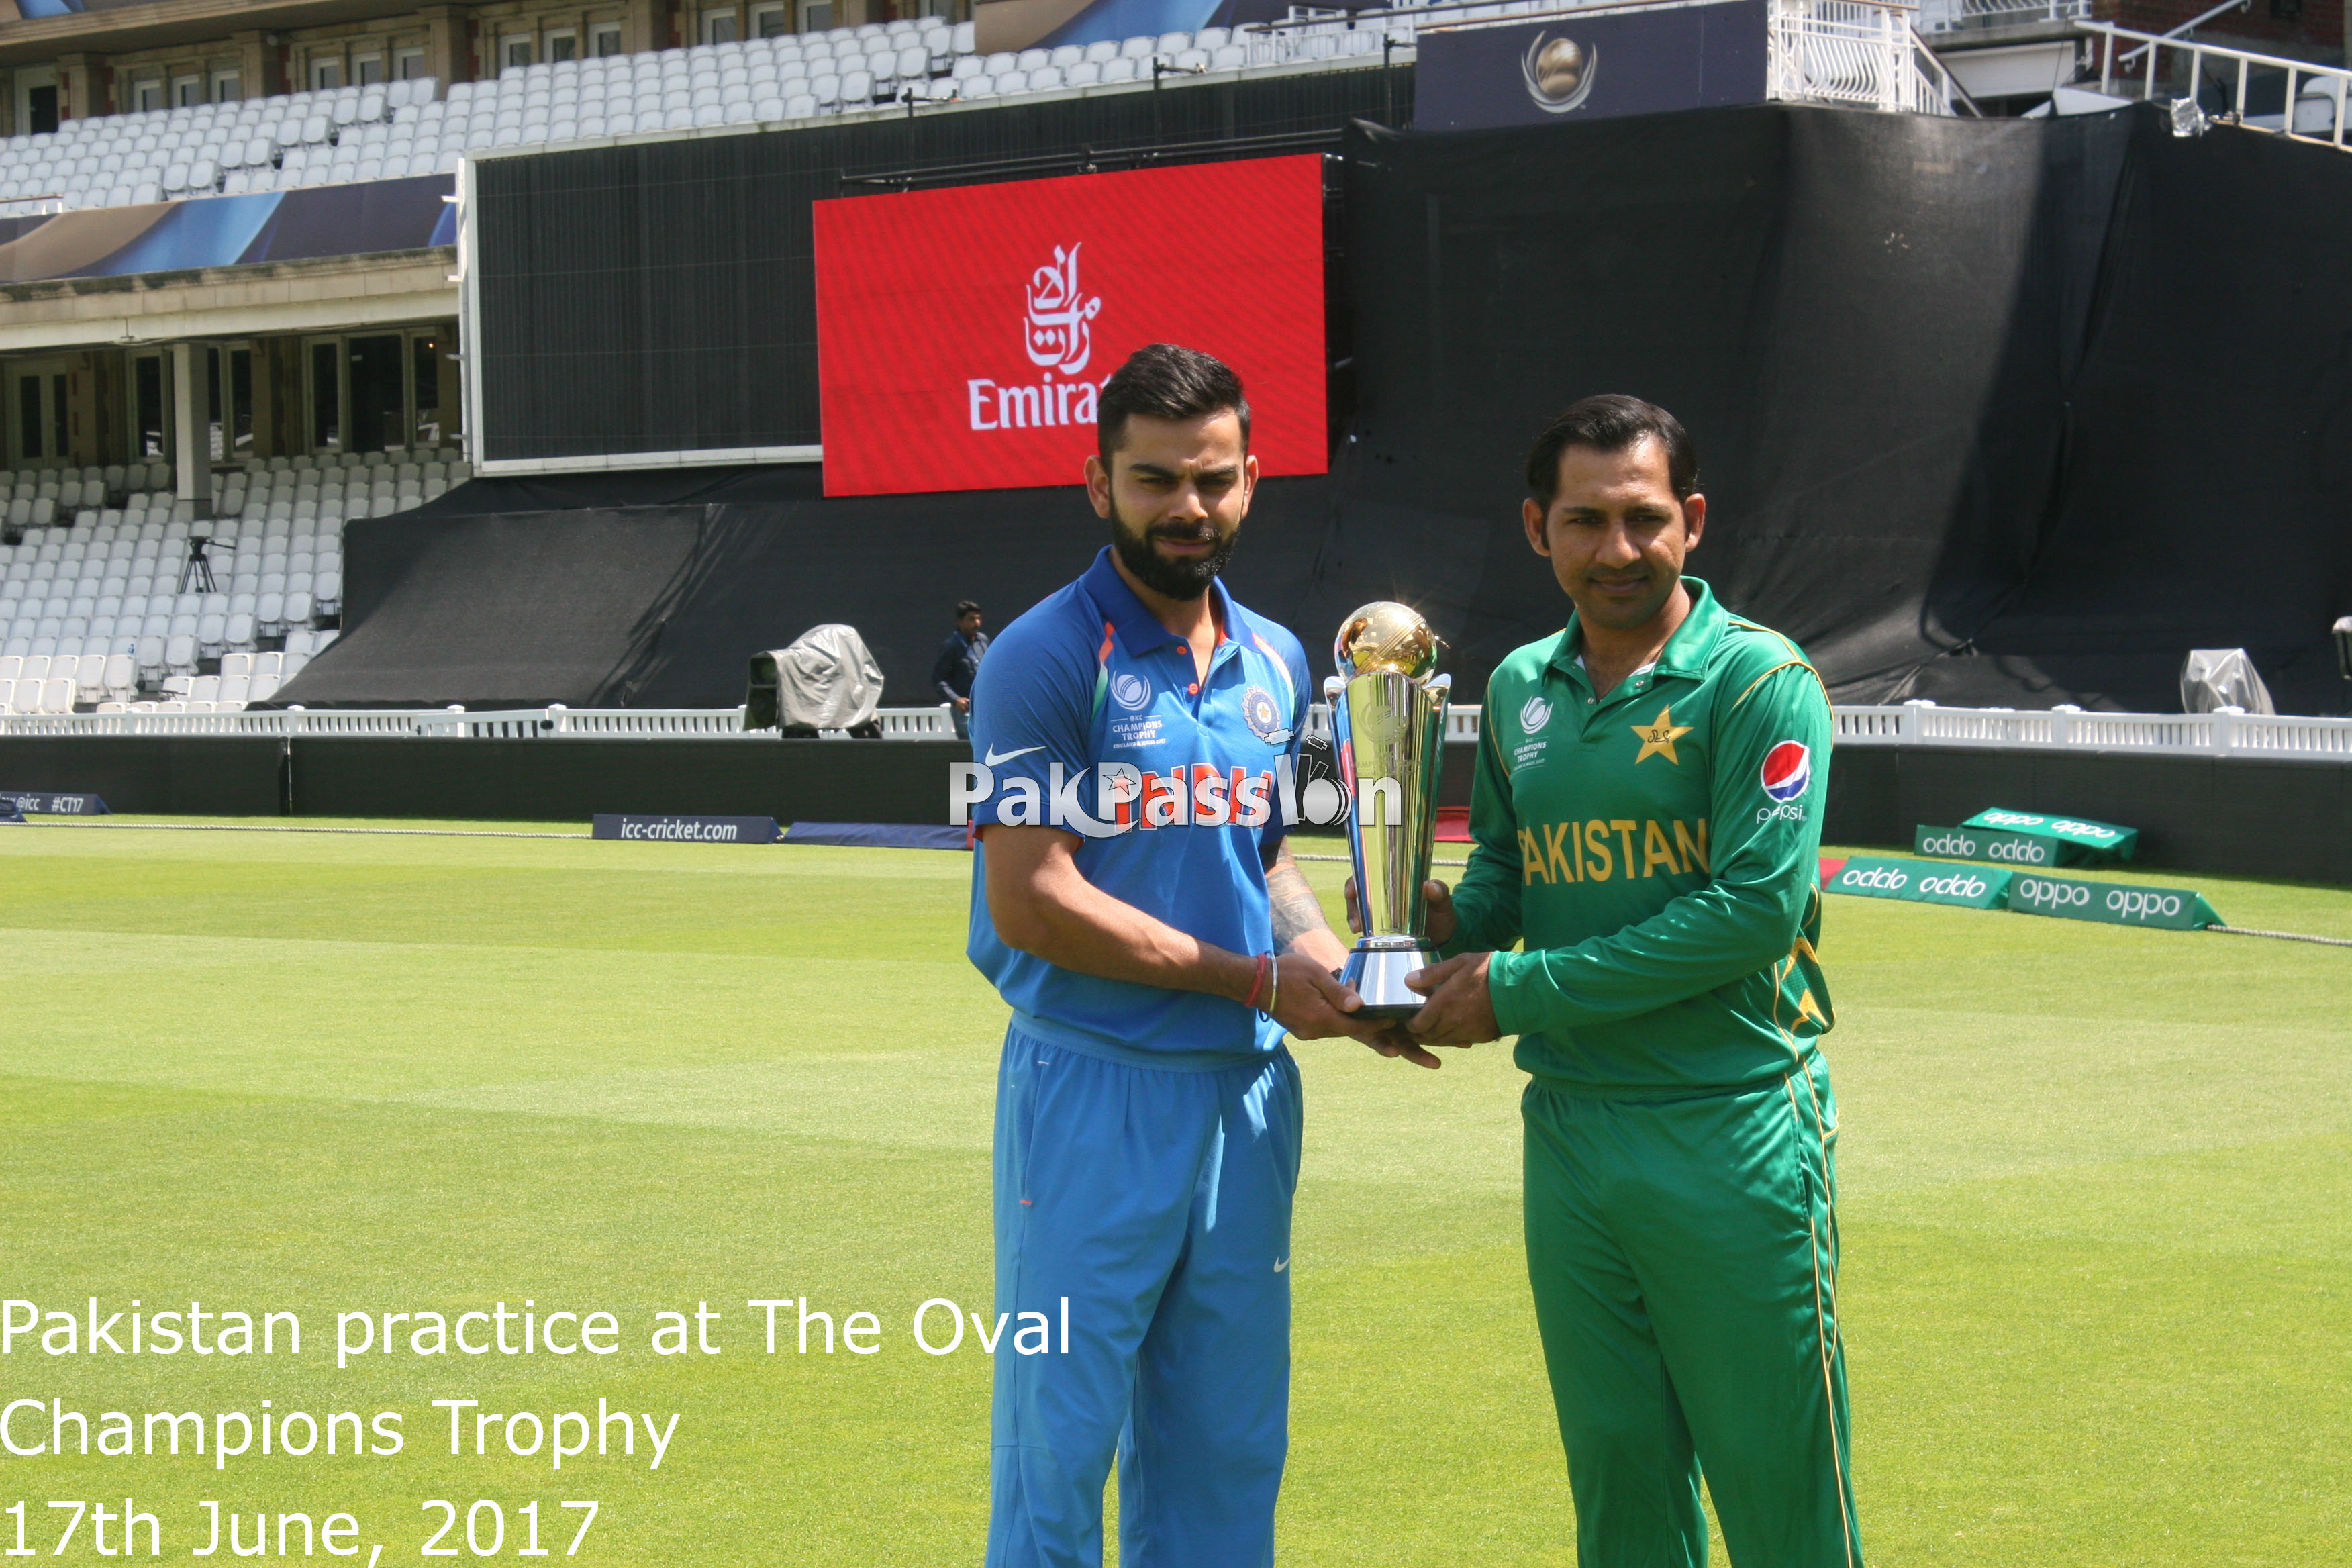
<point>661,296</point>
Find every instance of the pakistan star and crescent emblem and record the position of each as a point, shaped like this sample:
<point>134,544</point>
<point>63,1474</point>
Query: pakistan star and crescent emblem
<point>1658,737</point>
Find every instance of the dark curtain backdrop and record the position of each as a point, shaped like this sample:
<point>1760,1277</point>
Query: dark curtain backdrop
<point>2009,412</point>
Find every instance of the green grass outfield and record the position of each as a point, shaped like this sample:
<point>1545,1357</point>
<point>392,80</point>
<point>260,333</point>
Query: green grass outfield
<point>2098,1206</point>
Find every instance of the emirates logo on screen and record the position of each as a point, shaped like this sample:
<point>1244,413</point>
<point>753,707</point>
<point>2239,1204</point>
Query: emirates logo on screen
<point>920,294</point>
<point>1057,333</point>
<point>1060,324</point>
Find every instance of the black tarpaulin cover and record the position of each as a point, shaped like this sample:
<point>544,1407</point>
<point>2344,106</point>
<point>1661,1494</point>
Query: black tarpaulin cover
<point>2010,412</point>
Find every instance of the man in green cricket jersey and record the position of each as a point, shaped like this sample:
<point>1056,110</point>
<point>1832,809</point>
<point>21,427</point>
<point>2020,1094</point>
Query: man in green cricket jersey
<point>1647,816</point>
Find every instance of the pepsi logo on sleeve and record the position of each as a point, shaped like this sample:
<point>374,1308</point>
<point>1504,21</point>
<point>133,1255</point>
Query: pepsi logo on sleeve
<point>1788,771</point>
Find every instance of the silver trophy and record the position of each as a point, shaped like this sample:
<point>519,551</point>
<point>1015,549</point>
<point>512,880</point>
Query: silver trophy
<point>1388,726</point>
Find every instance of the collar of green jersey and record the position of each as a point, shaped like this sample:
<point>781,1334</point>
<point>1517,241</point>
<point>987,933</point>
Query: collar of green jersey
<point>1685,653</point>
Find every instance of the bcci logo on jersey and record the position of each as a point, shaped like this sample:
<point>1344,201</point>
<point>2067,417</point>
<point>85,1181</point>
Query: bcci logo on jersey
<point>1125,797</point>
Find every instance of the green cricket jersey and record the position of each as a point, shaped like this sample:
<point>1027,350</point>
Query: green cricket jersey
<point>1657,851</point>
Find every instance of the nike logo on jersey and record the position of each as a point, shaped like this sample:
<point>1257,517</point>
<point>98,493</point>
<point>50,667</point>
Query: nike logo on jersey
<point>995,757</point>
<point>1280,1264</point>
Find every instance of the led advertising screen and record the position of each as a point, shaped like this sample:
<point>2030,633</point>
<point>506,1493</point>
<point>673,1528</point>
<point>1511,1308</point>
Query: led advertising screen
<point>964,335</point>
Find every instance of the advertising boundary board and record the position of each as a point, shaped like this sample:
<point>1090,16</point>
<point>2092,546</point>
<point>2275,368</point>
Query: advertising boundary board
<point>2111,903</point>
<point>1921,881</point>
<point>671,828</point>
<point>2237,816</point>
<point>2016,849</point>
<point>2098,841</point>
<point>45,802</point>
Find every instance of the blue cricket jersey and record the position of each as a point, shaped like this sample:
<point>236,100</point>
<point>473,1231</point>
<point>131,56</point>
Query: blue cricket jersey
<point>1087,713</point>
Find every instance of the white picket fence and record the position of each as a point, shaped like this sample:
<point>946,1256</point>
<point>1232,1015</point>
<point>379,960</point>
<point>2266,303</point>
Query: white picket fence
<point>556,722</point>
<point>2071,729</point>
<point>1912,725</point>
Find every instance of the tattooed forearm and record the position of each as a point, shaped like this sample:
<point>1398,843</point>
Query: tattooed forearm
<point>1295,910</point>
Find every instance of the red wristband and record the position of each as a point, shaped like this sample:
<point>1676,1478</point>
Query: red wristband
<point>1257,980</point>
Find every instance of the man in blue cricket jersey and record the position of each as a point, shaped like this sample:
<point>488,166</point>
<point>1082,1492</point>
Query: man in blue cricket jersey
<point>1134,903</point>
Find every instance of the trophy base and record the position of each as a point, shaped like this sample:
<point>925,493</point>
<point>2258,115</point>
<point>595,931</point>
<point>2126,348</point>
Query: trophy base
<point>1377,974</point>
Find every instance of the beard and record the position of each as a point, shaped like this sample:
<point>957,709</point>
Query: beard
<point>1182,579</point>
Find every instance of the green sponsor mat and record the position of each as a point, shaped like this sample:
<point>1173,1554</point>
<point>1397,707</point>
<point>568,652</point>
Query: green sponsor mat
<point>1922,882</point>
<point>2101,838</point>
<point>2001,848</point>
<point>2112,903</point>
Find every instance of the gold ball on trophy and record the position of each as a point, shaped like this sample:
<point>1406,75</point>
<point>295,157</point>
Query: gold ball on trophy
<point>1385,637</point>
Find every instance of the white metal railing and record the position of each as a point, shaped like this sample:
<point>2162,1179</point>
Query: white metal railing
<point>2312,105</point>
<point>2191,26</point>
<point>2071,729</point>
<point>1849,52</point>
<point>555,722</point>
<point>1920,724</point>
<point>1936,17</point>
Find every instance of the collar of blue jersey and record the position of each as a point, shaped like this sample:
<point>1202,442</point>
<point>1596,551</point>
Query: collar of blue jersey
<point>1685,653</point>
<point>1138,629</point>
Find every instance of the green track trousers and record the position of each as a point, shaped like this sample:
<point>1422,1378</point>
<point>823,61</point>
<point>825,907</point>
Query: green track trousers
<point>1684,1253</point>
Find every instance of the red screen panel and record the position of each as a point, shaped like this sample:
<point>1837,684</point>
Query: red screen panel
<point>964,335</point>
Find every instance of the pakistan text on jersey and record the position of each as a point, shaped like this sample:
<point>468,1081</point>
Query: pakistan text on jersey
<point>1602,847</point>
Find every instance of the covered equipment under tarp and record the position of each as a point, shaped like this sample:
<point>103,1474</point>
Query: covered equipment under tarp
<point>824,681</point>
<point>2213,679</point>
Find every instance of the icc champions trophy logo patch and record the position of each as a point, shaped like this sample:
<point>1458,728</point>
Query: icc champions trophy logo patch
<point>1788,771</point>
<point>1264,719</point>
<point>1130,691</point>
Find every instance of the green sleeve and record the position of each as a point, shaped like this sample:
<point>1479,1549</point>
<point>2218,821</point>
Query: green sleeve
<point>1765,861</point>
<point>1487,900</point>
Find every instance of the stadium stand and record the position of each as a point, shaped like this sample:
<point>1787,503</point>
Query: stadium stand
<point>99,600</point>
<point>402,129</point>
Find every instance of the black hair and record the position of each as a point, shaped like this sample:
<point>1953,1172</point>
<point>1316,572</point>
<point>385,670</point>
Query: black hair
<point>1167,382</point>
<point>966,608</point>
<point>1611,422</point>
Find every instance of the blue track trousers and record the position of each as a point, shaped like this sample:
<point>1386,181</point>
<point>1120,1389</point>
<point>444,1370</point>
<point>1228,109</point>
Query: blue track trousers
<point>1158,1201</point>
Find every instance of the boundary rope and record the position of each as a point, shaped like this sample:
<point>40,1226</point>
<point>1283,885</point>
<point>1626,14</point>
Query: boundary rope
<point>2283,935</point>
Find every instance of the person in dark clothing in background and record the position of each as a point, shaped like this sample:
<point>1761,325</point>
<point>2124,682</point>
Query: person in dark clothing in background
<point>957,662</point>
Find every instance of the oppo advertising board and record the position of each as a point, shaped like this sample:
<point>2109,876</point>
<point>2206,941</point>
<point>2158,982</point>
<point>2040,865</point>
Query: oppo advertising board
<point>964,335</point>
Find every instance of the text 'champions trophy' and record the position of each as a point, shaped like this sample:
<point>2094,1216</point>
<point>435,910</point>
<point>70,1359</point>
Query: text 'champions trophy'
<point>1388,727</point>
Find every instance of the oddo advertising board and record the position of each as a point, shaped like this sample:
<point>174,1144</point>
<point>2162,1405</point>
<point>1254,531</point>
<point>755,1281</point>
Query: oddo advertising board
<point>964,335</point>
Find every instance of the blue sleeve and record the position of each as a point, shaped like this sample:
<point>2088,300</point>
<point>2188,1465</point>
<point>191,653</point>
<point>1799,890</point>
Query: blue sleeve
<point>1032,711</point>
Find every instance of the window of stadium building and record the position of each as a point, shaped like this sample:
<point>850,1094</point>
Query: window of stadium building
<point>367,70</point>
<point>382,389</point>
<point>718,25</point>
<point>231,372</point>
<point>150,408</point>
<point>408,64</point>
<point>816,15</point>
<point>607,40</point>
<point>563,46</point>
<point>147,94</point>
<point>187,92</point>
<point>228,87</point>
<point>43,425</point>
<point>325,75</point>
<point>38,114</point>
<point>518,52</point>
<point>770,22</point>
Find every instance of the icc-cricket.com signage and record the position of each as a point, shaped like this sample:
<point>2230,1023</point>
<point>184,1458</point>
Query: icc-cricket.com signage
<point>964,335</point>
